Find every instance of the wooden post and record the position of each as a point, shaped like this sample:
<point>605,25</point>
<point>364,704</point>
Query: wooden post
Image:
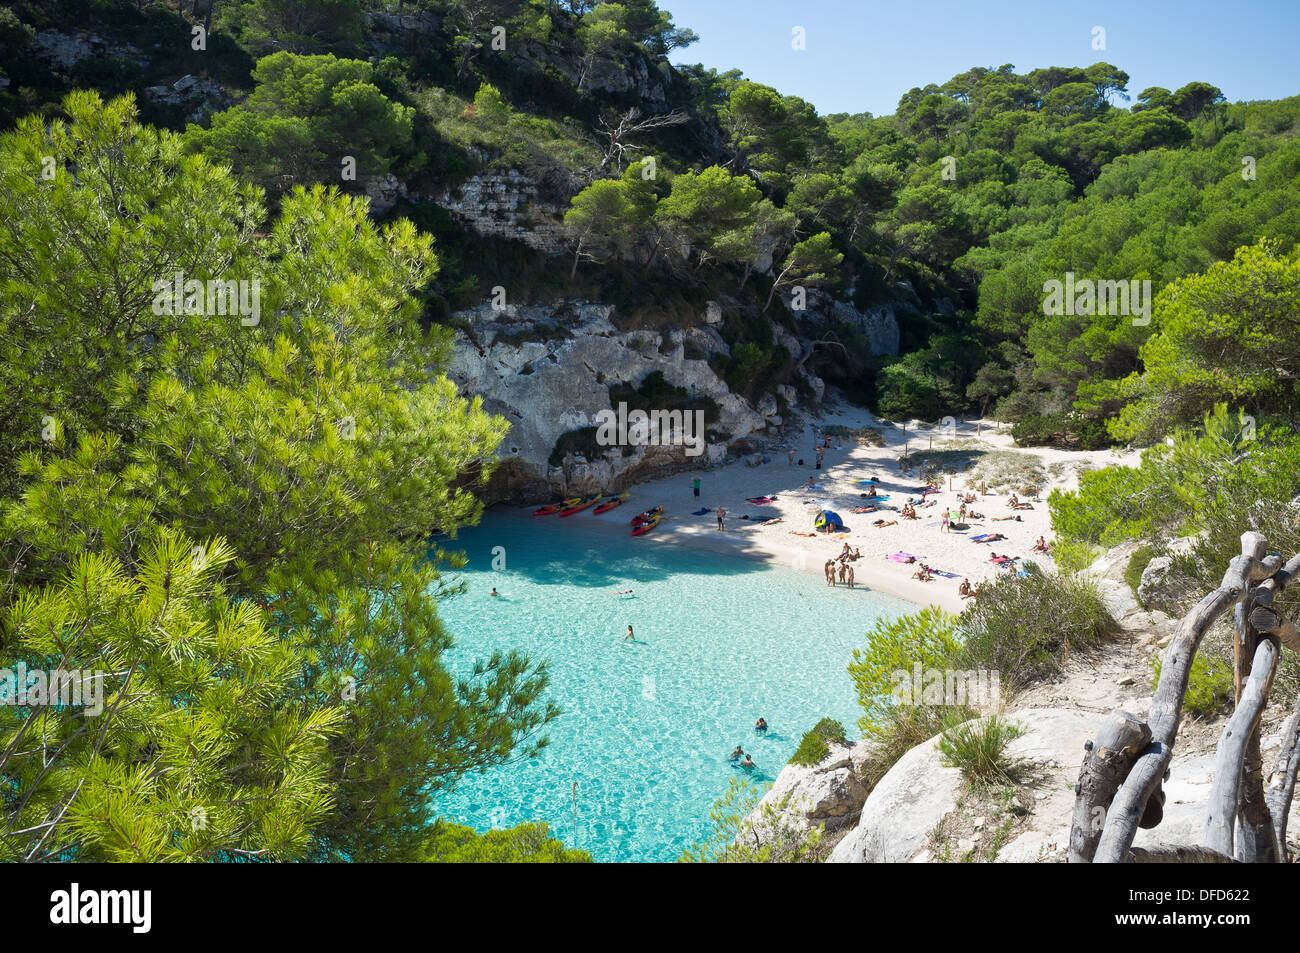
<point>1107,759</point>
<point>1129,805</point>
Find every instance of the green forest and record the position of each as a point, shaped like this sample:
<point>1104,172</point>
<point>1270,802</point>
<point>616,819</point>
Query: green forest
<point>234,519</point>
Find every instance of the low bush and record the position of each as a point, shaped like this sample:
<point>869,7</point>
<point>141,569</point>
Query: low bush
<point>929,637</point>
<point>1026,626</point>
<point>978,748</point>
<point>1209,686</point>
<point>899,729</point>
<point>815,744</point>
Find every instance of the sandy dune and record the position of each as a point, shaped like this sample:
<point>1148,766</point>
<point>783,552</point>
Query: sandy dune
<point>953,552</point>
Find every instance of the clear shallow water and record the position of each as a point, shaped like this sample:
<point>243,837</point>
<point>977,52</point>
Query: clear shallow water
<point>647,726</point>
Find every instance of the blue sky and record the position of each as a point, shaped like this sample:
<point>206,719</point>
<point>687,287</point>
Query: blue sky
<point>862,55</point>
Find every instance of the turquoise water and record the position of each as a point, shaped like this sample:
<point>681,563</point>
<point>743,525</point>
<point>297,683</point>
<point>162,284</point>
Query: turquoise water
<point>648,725</point>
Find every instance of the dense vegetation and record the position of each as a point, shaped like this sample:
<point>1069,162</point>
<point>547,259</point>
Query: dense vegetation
<point>226,514</point>
<point>956,209</point>
<point>231,515</point>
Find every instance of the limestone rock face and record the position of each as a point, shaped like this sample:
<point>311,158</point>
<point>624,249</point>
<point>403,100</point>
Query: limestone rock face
<point>66,50</point>
<point>507,204</point>
<point>879,325</point>
<point>915,795</point>
<point>829,793</point>
<point>548,371</point>
<point>1150,589</point>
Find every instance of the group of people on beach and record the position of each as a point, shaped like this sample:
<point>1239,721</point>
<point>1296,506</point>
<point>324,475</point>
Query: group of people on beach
<point>842,566</point>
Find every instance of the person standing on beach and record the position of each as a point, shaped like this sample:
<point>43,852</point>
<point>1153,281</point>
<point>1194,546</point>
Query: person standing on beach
<point>850,571</point>
<point>945,528</point>
<point>696,486</point>
<point>820,453</point>
<point>830,572</point>
<point>721,513</point>
<point>792,456</point>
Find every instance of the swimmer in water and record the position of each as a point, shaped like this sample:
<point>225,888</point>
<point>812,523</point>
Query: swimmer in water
<point>748,764</point>
<point>624,592</point>
<point>760,725</point>
<point>737,754</point>
<point>629,637</point>
<point>494,591</point>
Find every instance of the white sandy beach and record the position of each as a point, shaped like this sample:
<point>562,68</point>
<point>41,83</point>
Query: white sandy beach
<point>731,486</point>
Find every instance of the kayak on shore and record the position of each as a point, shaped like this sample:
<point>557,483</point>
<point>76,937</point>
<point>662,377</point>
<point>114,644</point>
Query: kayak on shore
<point>641,529</point>
<point>609,503</point>
<point>581,505</point>
<point>647,516</point>
<point>557,507</point>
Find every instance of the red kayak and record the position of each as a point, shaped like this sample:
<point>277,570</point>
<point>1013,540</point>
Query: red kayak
<point>610,503</point>
<point>648,525</point>
<point>647,516</point>
<point>557,507</point>
<point>581,505</point>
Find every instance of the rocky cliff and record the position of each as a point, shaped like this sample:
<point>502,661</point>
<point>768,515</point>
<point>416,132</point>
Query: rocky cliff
<point>548,371</point>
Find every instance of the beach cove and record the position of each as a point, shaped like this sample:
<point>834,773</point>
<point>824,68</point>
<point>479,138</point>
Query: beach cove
<point>728,626</point>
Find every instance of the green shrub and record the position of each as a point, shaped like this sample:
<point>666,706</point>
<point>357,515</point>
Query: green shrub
<point>1209,686</point>
<point>899,729</point>
<point>815,744</point>
<point>930,637</point>
<point>1071,555</point>
<point>1026,626</point>
<point>977,747</point>
<point>1061,430</point>
<point>449,843</point>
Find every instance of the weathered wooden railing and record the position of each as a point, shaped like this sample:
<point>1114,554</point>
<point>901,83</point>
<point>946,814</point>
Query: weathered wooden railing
<point>1119,787</point>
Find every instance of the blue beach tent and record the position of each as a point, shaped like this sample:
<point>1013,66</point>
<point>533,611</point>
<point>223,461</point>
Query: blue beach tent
<point>828,521</point>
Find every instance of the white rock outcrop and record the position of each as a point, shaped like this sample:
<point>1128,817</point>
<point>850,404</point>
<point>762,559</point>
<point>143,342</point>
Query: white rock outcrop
<point>548,371</point>
<point>916,794</point>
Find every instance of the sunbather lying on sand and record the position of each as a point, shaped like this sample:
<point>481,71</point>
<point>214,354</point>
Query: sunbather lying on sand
<point>795,532</point>
<point>1003,519</point>
<point>771,521</point>
<point>882,523</point>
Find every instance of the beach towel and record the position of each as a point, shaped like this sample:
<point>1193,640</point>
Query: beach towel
<point>901,557</point>
<point>946,575</point>
<point>870,482</point>
<point>999,559</point>
<point>878,496</point>
<point>701,511</point>
<point>761,500</point>
<point>980,538</point>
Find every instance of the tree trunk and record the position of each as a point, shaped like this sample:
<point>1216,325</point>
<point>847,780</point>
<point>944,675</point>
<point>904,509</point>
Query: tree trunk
<point>1108,759</point>
<point>1130,801</point>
